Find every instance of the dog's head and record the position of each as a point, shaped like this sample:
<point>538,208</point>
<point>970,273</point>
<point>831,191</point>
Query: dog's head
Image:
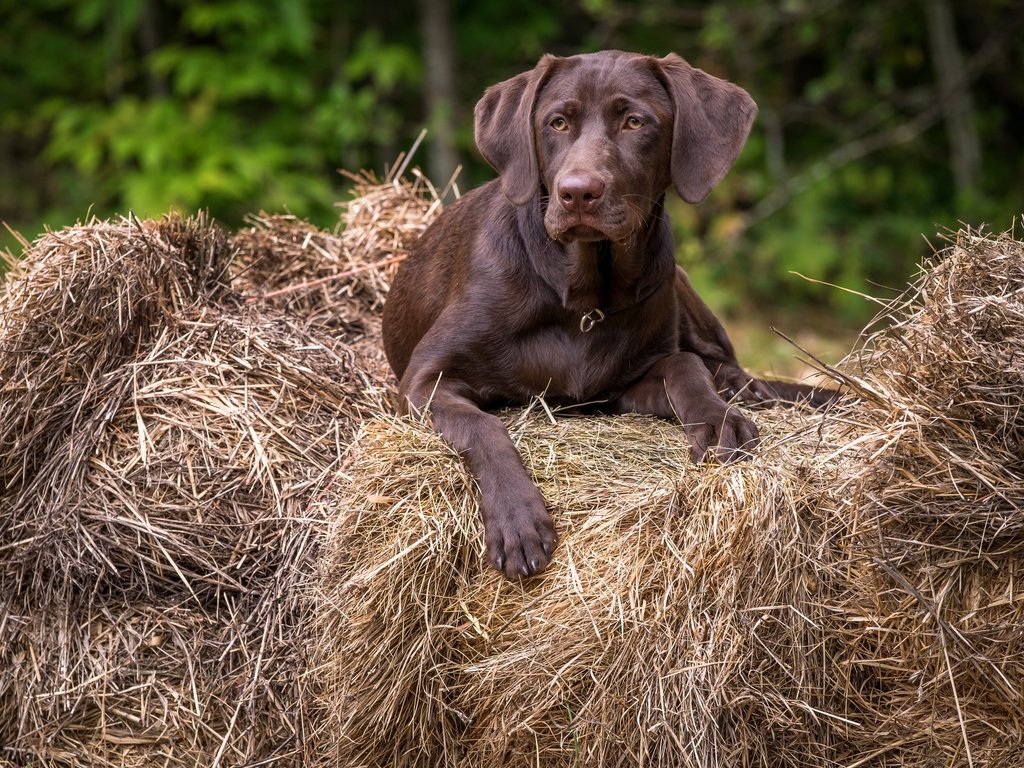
<point>601,137</point>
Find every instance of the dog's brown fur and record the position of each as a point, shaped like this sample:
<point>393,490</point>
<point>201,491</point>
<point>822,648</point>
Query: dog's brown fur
<point>559,277</point>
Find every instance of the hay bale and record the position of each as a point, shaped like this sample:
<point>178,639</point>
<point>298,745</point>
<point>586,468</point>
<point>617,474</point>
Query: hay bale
<point>339,281</point>
<point>942,385</point>
<point>927,646</point>
<point>848,597</point>
<point>632,647</point>
<point>382,221</point>
<point>161,479</point>
<point>130,683</point>
<point>198,476</point>
<point>281,260</point>
<point>174,441</point>
<point>80,306</point>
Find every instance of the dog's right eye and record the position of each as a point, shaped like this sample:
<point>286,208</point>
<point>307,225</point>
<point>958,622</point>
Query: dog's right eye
<point>559,124</point>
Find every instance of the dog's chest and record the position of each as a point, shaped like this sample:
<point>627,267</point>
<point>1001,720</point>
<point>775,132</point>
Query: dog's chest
<point>569,364</point>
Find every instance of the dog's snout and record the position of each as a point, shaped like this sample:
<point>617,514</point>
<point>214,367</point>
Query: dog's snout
<point>580,193</point>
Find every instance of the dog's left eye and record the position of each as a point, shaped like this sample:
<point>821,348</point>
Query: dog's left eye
<point>633,122</point>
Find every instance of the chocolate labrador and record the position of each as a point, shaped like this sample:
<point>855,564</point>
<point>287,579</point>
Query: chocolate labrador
<point>559,278</point>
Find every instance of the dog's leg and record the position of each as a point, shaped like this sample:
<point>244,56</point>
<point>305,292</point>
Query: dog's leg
<point>518,529</point>
<point>701,332</point>
<point>679,386</point>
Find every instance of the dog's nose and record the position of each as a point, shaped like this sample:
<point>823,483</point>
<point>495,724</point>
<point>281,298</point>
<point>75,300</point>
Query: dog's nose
<point>580,193</point>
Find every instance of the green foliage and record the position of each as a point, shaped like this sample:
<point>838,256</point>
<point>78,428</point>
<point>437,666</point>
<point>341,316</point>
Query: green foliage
<point>238,105</point>
<point>232,105</point>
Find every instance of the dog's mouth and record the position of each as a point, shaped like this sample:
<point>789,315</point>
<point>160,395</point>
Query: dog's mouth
<point>568,229</point>
<point>588,229</point>
<point>582,233</point>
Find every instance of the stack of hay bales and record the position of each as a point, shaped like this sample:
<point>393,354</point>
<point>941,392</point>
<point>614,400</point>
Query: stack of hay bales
<point>847,597</point>
<point>217,549</point>
<point>163,437</point>
<point>161,444</point>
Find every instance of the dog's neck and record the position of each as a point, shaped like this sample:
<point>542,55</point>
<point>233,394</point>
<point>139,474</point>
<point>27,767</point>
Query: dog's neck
<point>602,274</point>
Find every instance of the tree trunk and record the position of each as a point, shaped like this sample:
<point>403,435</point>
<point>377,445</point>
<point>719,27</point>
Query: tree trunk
<point>958,108</point>
<point>439,60</point>
<point>113,49</point>
<point>149,42</point>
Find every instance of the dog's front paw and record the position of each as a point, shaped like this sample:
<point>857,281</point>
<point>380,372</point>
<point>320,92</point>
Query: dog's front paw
<point>519,533</point>
<point>721,433</point>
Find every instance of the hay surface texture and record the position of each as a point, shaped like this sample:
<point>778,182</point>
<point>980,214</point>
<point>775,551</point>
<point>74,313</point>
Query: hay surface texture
<point>162,443</point>
<point>338,282</point>
<point>847,597</point>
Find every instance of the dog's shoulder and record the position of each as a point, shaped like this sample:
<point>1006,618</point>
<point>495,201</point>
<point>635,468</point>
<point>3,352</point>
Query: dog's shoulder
<point>478,227</point>
<point>470,212</point>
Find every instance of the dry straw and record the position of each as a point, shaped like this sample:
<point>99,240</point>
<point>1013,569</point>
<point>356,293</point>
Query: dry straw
<point>162,442</point>
<point>848,597</point>
<point>338,281</point>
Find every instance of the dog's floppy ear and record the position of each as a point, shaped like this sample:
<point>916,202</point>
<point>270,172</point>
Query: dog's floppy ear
<point>712,120</point>
<point>503,129</point>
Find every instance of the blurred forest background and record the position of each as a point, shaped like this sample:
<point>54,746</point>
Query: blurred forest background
<point>880,124</point>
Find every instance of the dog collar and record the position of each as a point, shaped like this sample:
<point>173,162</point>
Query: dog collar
<point>591,318</point>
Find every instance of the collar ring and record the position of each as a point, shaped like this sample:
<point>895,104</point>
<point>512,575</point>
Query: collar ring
<point>590,319</point>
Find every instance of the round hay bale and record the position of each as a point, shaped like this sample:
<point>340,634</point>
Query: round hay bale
<point>846,597</point>
<point>338,281</point>
<point>78,306</point>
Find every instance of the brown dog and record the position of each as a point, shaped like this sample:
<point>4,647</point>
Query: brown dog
<point>559,277</point>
